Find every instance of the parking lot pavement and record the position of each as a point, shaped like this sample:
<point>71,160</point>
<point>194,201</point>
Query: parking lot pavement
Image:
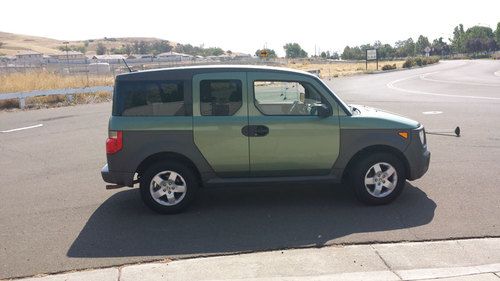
<point>55,214</point>
<point>470,259</point>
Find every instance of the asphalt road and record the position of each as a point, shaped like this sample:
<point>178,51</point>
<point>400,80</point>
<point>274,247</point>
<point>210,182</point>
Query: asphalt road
<point>55,214</point>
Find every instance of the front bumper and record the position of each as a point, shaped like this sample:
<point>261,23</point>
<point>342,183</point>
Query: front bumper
<point>420,165</point>
<point>118,178</point>
<point>418,158</point>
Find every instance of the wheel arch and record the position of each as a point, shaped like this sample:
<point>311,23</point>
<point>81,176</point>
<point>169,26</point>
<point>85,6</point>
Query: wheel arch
<point>168,156</point>
<point>374,149</point>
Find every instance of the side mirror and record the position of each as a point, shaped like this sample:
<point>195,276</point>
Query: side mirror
<point>322,109</point>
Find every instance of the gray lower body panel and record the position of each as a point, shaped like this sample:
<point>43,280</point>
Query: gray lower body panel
<point>419,159</point>
<point>270,180</point>
<point>119,178</point>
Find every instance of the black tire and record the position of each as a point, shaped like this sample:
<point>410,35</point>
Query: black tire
<point>363,167</point>
<point>186,175</point>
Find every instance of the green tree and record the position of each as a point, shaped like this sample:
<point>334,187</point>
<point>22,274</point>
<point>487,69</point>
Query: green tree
<point>439,47</point>
<point>458,40</point>
<point>497,35</point>
<point>158,47</point>
<point>101,49</point>
<point>421,44</point>
<point>479,39</point>
<point>405,48</point>
<point>346,54</point>
<point>386,51</point>
<point>128,49</point>
<point>143,47</point>
<point>271,54</point>
<point>293,50</point>
<point>213,51</point>
<point>80,48</point>
<point>353,53</point>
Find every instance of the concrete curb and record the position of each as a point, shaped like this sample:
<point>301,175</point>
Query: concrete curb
<point>471,259</point>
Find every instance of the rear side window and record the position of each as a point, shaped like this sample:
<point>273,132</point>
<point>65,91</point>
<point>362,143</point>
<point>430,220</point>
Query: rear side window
<point>150,98</point>
<point>220,97</point>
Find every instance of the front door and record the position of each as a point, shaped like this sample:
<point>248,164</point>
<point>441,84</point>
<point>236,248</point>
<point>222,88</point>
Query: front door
<point>290,137</point>
<point>220,111</point>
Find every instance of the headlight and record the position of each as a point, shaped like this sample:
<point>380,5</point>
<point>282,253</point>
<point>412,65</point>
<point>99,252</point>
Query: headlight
<point>421,135</point>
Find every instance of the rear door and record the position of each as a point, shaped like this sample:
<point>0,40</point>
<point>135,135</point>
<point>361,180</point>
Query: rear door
<point>290,139</point>
<point>220,111</point>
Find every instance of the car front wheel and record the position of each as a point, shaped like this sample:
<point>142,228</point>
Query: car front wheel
<point>378,178</point>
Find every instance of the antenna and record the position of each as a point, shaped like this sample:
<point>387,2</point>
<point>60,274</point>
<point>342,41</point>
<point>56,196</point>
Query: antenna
<point>129,69</point>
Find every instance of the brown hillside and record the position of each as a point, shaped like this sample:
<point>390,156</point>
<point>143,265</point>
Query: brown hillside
<point>14,43</point>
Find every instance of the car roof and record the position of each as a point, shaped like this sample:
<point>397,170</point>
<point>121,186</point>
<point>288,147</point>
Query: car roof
<point>186,72</point>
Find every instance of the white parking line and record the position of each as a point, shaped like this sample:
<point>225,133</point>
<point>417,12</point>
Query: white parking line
<point>391,85</point>
<point>432,112</point>
<point>424,77</point>
<point>20,129</point>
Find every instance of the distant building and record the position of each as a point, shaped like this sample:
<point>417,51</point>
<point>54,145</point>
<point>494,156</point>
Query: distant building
<point>141,57</point>
<point>241,56</point>
<point>70,56</point>
<point>7,58</point>
<point>108,58</point>
<point>99,68</point>
<point>173,56</point>
<point>29,57</point>
<point>220,58</point>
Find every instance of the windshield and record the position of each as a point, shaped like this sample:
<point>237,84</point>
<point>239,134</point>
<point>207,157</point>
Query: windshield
<point>340,101</point>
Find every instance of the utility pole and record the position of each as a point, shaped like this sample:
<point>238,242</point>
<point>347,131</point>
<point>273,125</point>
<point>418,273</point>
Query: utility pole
<point>67,56</point>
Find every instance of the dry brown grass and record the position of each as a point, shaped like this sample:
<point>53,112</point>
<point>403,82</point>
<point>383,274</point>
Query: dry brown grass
<point>43,80</point>
<point>341,68</point>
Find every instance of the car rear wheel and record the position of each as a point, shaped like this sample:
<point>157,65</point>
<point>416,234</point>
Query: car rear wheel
<point>168,188</point>
<point>378,178</point>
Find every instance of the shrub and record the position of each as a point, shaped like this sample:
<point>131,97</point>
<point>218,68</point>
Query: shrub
<point>389,67</point>
<point>409,63</point>
<point>7,104</point>
<point>420,61</point>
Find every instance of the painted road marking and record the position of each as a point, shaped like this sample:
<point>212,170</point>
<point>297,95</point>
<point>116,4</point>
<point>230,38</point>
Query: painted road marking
<point>391,85</point>
<point>497,73</point>
<point>432,112</point>
<point>424,77</point>
<point>20,129</point>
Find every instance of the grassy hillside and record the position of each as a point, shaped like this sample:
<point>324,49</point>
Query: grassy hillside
<point>12,43</point>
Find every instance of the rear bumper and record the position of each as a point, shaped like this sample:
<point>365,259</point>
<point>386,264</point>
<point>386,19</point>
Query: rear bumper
<point>118,178</point>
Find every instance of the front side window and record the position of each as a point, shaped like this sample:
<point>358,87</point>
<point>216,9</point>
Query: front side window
<point>220,97</point>
<point>151,98</point>
<point>286,98</point>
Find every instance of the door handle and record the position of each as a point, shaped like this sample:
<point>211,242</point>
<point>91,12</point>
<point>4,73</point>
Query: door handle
<point>246,131</point>
<point>261,130</point>
<point>255,130</point>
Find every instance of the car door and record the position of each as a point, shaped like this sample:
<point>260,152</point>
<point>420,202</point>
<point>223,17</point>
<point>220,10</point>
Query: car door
<point>220,111</point>
<point>289,137</point>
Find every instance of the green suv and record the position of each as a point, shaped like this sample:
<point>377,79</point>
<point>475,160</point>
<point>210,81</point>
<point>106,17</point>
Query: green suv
<point>179,129</point>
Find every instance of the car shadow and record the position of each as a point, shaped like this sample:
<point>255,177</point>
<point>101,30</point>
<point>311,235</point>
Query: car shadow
<point>228,220</point>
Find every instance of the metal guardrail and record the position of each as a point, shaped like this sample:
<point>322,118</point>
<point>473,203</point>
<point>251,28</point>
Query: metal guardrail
<point>67,92</point>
